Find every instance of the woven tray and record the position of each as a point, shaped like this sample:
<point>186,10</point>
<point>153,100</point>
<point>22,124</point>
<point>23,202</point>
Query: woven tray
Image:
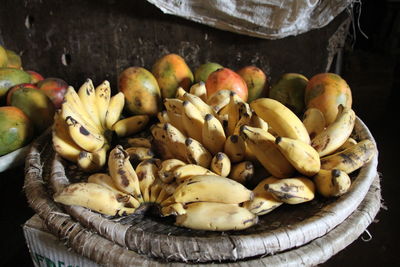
<point>149,237</point>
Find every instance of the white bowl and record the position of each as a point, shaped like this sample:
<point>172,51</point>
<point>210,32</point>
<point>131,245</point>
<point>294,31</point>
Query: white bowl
<point>13,159</point>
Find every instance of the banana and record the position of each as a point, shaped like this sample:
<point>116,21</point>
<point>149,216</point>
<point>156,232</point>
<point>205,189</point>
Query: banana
<point>213,135</point>
<point>233,112</point>
<point>62,141</point>
<point>303,157</point>
<point>160,143</point>
<point>263,201</point>
<point>257,122</point>
<point>175,141</point>
<point>199,89</point>
<point>219,99</point>
<point>173,105</point>
<point>332,183</point>
<point>130,125</point>
<point>82,136</point>
<point>202,106</point>
<point>242,172</point>
<point>350,159</point>
<point>114,109</point>
<point>211,188</point>
<point>147,173</point>
<point>193,120</point>
<point>87,94</point>
<point>155,190</point>
<point>139,142</point>
<point>137,154</point>
<point>106,181</point>
<point>123,174</point>
<point>166,169</point>
<point>349,143</point>
<point>184,172</point>
<point>221,164</point>
<point>163,117</point>
<point>245,115</point>
<point>179,93</point>
<point>235,148</point>
<point>103,94</point>
<point>196,153</point>
<point>216,217</point>
<point>93,161</point>
<point>314,121</point>
<point>262,144</point>
<point>94,197</point>
<point>294,190</point>
<point>336,133</point>
<point>282,120</point>
<point>166,193</point>
<point>173,209</point>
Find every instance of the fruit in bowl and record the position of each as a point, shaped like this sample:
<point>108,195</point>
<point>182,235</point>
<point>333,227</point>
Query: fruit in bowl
<point>54,88</point>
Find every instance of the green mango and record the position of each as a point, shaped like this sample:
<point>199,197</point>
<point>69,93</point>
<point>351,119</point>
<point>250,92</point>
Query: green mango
<point>10,77</point>
<point>3,57</point>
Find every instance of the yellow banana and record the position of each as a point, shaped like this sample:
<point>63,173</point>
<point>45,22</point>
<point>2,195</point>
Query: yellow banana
<point>294,190</point>
<point>219,99</point>
<point>196,153</point>
<point>130,125</point>
<point>336,133</point>
<point>94,197</point>
<point>173,209</point>
<point>93,161</point>
<point>123,173</point>
<point>160,143</point>
<point>193,120</point>
<point>221,164</point>
<point>106,181</point>
<point>166,169</point>
<point>314,121</point>
<point>257,122</point>
<point>173,105</point>
<point>233,112</point>
<point>175,141</point>
<point>263,201</point>
<point>262,144</point>
<point>211,188</point>
<point>282,120</point>
<point>103,95</point>
<point>179,93</point>
<point>303,157</point>
<point>184,172</point>
<point>147,173</point>
<point>350,159</point>
<point>211,216</point>
<point>163,117</point>
<point>199,90</point>
<point>138,154</point>
<point>332,183</point>
<point>166,192</point>
<point>155,190</point>
<point>213,135</point>
<point>114,109</point>
<point>139,142</point>
<point>242,172</point>
<point>202,106</point>
<point>235,148</point>
<point>87,95</point>
<point>245,115</point>
<point>349,143</point>
<point>82,136</point>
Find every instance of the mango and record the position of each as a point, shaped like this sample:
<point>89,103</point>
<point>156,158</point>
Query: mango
<point>226,79</point>
<point>141,90</point>
<point>3,57</point>
<point>36,105</point>
<point>17,87</point>
<point>54,88</point>
<point>15,129</point>
<point>326,91</point>
<point>14,60</point>
<point>289,90</point>
<point>36,77</point>
<point>256,81</point>
<point>10,77</point>
<point>203,71</point>
<point>171,72</point>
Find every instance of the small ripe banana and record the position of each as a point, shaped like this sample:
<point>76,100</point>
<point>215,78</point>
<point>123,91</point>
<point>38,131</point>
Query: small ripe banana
<point>235,148</point>
<point>123,173</point>
<point>103,95</point>
<point>173,105</point>
<point>186,171</point>
<point>332,183</point>
<point>193,120</point>
<point>202,106</point>
<point>199,89</point>
<point>114,109</point>
<point>93,161</point>
<point>211,216</point>
<point>179,93</point>
<point>294,190</point>
<point>245,115</point>
<point>221,164</point>
<point>106,181</point>
<point>303,157</point>
<point>280,118</point>
<point>87,94</point>
<point>349,143</point>
<point>257,122</point>
<point>233,112</point>
<point>211,188</point>
<point>336,133</point>
<point>62,141</point>
<point>196,153</point>
<point>155,190</point>
<point>147,173</point>
<point>175,141</point>
<point>263,201</point>
<point>160,142</point>
<point>314,121</point>
<point>130,125</point>
<point>242,172</point>
<point>262,144</point>
<point>139,142</point>
<point>167,167</point>
<point>213,135</point>
<point>94,197</point>
<point>173,209</point>
<point>164,198</point>
<point>82,136</point>
<point>219,99</point>
<point>350,159</point>
<point>137,154</point>
<point>163,117</point>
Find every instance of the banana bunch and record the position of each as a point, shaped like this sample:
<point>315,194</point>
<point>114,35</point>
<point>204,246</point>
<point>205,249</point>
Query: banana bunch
<point>82,128</point>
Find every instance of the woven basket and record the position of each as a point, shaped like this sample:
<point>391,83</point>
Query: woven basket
<point>305,234</point>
